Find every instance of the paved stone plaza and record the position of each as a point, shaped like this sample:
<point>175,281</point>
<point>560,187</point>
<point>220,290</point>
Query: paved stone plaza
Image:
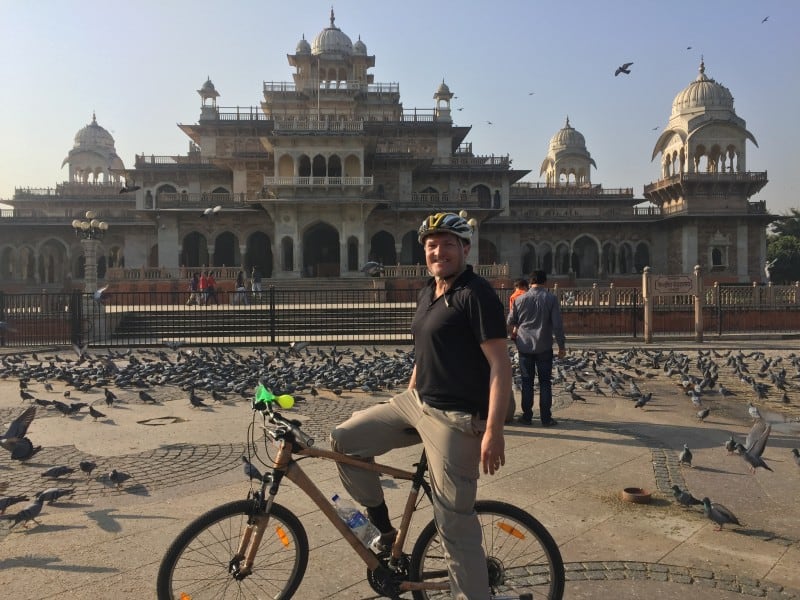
<point>103,543</point>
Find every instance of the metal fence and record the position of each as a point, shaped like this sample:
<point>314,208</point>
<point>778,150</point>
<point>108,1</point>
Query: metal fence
<point>341,315</point>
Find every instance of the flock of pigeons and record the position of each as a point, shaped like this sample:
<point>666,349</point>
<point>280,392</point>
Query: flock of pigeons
<point>221,374</point>
<point>624,374</point>
<point>206,376</point>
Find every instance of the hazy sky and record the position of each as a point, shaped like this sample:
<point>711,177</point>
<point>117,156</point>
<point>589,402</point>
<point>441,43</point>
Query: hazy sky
<point>139,64</point>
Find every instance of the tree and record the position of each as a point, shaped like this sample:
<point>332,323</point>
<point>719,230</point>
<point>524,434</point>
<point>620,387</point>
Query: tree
<point>787,224</point>
<point>784,250</point>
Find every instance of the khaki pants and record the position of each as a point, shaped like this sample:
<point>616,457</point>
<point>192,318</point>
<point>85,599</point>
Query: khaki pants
<point>452,443</point>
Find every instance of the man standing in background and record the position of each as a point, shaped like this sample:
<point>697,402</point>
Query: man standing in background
<point>534,320</point>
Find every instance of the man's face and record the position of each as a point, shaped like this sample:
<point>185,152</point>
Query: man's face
<point>445,254</point>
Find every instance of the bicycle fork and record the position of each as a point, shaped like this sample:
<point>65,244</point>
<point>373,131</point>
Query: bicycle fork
<point>248,546</point>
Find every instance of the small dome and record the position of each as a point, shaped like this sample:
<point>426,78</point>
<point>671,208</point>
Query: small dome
<point>93,137</point>
<point>703,92</point>
<point>360,47</point>
<point>303,47</point>
<point>568,137</point>
<point>208,90</point>
<point>332,40</point>
<point>443,90</point>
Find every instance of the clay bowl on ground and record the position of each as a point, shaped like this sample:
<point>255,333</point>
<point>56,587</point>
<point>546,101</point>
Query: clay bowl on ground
<point>636,495</point>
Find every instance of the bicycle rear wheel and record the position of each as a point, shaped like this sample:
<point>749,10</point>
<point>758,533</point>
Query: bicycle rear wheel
<point>195,566</point>
<point>521,555</point>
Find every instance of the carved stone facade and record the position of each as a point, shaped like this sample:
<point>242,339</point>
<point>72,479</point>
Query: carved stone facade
<point>330,171</point>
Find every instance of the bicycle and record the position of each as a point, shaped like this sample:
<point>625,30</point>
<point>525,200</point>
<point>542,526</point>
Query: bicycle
<point>257,548</point>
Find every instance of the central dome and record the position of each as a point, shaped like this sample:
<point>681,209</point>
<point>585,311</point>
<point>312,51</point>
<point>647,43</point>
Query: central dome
<point>703,92</point>
<point>93,137</point>
<point>568,137</point>
<point>332,40</point>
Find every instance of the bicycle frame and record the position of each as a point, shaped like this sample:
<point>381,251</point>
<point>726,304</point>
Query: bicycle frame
<point>285,465</point>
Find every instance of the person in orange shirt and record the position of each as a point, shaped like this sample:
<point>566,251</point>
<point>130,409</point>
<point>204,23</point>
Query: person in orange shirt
<point>520,287</point>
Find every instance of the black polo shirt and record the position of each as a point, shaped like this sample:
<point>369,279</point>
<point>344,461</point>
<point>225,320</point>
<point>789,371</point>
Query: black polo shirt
<point>452,372</point>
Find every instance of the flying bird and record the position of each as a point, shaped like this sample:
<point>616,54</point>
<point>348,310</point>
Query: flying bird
<point>489,123</point>
<point>373,269</point>
<point>132,187</point>
<point>624,68</point>
<point>719,514</point>
<point>100,296</point>
<point>754,445</point>
<point>764,20</point>
<point>19,426</point>
<point>211,211</point>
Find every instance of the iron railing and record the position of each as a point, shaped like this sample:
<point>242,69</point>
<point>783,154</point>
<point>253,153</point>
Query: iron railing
<point>340,315</point>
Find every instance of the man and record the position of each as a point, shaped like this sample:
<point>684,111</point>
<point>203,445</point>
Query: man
<point>456,400</point>
<point>520,287</point>
<point>534,320</point>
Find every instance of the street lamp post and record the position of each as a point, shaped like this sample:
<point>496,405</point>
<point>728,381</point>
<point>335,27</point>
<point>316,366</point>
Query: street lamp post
<point>90,231</point>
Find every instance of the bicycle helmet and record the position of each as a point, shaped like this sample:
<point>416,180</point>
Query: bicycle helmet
<point>445,222</point>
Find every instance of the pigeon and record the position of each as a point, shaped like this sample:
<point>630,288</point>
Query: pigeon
<point>250,470</point>
<point>373,269</point>
<point>755,444</point>
<point>56,472</point>
<point>211,211</point>
<point>6,501</point>
<point>129,187</point>
<point>684,497</point>
<point>640,403</point>
<point>29,513</point>
<point>796,454</point>
<point>118,478</point>
<point>110,396</point>
<point>730,444</point>
<point>18,427</point>
<point>719,514</point>
<point>764,20</point>
<point>296,347</point>
<point>624,68</point>
<point>753,411</point>
<point>25,395</point>
<point>50,495</point>
<point>703,413</point>
<point>100,296</point>
<point>87,466</point>
<point>145,397</point>
<point>96,414</point>
<point>685,457</point>
<point>21,448</point>
<point>195,400</point>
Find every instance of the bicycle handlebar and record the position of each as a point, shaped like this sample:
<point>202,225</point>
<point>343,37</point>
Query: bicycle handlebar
<point>286,429</point>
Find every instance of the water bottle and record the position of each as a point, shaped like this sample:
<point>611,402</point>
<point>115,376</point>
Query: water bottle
<point>356,521</point>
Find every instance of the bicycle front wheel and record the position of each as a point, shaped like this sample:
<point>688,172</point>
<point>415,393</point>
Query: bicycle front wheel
<point>196,565</point>
<point>522,558</point>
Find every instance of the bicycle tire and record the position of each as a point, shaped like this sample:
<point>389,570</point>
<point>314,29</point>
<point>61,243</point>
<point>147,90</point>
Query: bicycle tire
<point>196,564</point>
<point>521,555</point>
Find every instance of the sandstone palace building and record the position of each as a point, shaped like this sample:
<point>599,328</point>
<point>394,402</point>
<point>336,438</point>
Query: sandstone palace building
<point>330,171</point>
